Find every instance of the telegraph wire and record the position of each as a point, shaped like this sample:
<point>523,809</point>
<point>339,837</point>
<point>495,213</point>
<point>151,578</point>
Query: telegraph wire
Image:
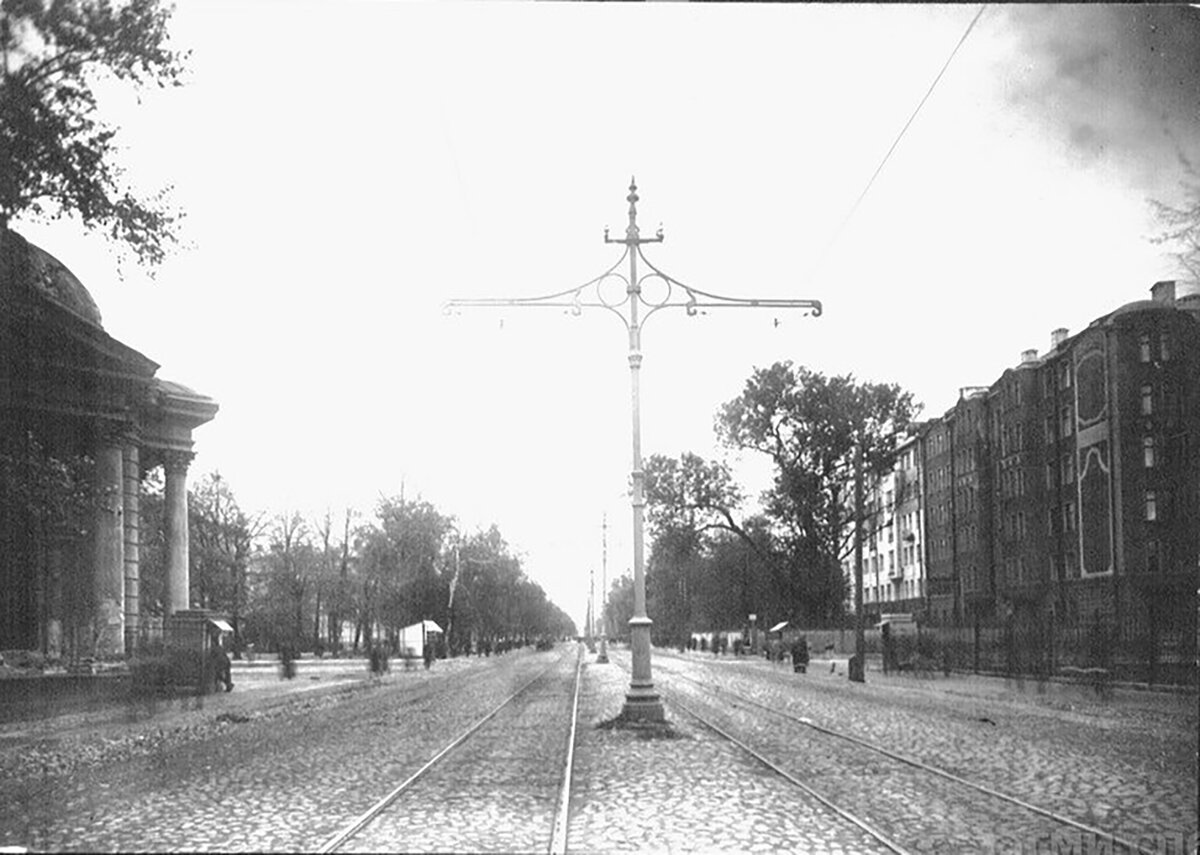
<point>853,208</point>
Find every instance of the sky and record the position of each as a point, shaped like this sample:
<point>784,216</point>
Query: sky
<point>347,167</point>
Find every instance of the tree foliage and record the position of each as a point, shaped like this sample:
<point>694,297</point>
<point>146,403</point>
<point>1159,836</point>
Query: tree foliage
<point>221,544</point>
<point>1181,224</point>
<point>710,569</point>
<point>57,156</point>
<point>811,427</point>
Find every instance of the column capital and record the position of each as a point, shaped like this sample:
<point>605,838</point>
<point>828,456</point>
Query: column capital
<point>115,433</point>
<point>176,462</point>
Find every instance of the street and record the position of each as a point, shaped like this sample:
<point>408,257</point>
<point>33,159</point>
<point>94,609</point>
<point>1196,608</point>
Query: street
<point>281,765</point>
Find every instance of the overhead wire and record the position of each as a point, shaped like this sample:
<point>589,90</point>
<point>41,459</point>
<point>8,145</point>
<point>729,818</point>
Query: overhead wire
<point>853,208</point>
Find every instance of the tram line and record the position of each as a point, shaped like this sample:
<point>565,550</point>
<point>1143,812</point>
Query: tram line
<point>1115,843</point>
<point>358,828</point>
<point>862,824</point>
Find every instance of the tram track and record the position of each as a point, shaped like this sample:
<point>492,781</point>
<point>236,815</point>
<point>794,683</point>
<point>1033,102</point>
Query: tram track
<point>846,815</point>
<point>488,755</point>
<point>890,798</point>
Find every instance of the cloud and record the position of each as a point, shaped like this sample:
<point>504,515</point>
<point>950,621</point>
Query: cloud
<point>1117,86</point>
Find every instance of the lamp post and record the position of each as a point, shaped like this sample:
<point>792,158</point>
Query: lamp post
<point>602,658</point>
<point>629,303</point>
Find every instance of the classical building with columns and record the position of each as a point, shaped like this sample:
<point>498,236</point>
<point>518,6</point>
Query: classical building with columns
<point>83,419</point>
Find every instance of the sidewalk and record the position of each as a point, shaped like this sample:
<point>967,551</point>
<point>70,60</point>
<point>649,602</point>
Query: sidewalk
<point>1123,698</point>
<point>257,686</point>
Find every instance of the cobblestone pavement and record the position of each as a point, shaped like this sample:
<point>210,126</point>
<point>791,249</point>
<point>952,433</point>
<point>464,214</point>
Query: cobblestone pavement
<point>1127,766</point>
<point>282,766</point>
<point>285,779</point>
<point>496,792</point>
<point>691,793</point>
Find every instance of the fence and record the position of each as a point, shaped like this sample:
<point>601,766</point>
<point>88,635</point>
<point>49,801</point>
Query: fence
<point>1133,652</point>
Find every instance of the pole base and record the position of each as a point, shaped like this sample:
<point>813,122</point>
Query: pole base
<point>643,707</point>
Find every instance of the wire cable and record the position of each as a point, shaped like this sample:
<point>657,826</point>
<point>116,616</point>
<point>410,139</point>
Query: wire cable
<point>853,208</point>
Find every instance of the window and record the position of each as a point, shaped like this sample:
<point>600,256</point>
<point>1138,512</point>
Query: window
<point>1051,432</point>
<point>1151,506</point>
<point>1068,468</point>
<point>1170,407</point>
<point>1148,452</point>
<point>1144,347</point>
<point>1147,400</point>
<point>1069,516</point>
<point>1164,346</point>
<point>1067,421</point>
<point>1017,389</point>
<point>1050,473</point>
<point>1019,439</point>
<point>1020,525</point>
<point>1153,562</point>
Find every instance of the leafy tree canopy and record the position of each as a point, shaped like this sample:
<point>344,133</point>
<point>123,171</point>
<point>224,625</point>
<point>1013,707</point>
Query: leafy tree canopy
<point>1181,225</point>
<point>57,156</point>
<point>811,426</point>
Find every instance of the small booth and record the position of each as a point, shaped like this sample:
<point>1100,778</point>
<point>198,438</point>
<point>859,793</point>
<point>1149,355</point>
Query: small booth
<point>194,640</point>
<point>898,640</point>
<point>413,640</point>
<point>775,643</point>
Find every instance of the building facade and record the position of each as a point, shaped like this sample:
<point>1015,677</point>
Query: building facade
<point>1067,493</point>
<point>82,419</point>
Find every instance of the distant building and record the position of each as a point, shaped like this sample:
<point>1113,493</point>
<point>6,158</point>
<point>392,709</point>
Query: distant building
<point>1066,493</point>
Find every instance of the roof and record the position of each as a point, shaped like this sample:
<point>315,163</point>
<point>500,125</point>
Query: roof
<point>51,278</point>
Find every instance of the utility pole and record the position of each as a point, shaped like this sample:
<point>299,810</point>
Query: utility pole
<point>628,302</point>
<point>602,658</point>
<point>858,664</point>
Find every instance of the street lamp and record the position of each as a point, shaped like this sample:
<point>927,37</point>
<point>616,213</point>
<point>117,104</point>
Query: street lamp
<point>602,658</point>
<point>628,303</point>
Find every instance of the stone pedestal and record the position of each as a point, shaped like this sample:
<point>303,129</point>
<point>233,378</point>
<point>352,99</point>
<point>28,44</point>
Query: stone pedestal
<point>641,701</point>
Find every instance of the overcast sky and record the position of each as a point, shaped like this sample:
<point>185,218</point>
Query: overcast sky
<point>346,167</point>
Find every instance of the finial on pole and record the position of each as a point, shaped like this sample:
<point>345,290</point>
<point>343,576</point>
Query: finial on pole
<point>632,231</point>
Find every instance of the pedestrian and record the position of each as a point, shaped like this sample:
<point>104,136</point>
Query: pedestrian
<point>287,661</point>
<point>223,666</point>
<point>427,654</point>
<point>800,655</point>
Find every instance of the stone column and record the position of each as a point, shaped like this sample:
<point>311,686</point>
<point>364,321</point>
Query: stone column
<point>108,571</point>
<point>132,485</point>
<point>176,523</point>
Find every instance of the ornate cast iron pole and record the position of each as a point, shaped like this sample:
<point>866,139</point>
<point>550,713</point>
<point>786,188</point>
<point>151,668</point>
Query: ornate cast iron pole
<point>624,295</point>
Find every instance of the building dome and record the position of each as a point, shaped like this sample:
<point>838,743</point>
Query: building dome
<point>48,276</point>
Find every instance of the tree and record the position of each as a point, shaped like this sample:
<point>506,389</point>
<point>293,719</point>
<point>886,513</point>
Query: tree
<point>811,427</point>
<point>56,156</point>
<point>1181,225</point>
<point>335,585</point>
<point>222,538</point>
<point>283,586</point>
<point>620,606</point>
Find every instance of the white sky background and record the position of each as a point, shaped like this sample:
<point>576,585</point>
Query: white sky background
<point>346,167</point>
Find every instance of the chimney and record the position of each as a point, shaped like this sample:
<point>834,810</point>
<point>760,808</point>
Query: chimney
<point>1057,337</point>
<point>1028,356</point>
<point>1163,292</point>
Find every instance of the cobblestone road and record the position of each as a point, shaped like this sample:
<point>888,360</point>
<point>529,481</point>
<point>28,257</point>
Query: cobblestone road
<point>282,767</point>
<point>498,791</point>
<point>691,793</point>
<point>1127,766</point>
<point>283,781</point>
